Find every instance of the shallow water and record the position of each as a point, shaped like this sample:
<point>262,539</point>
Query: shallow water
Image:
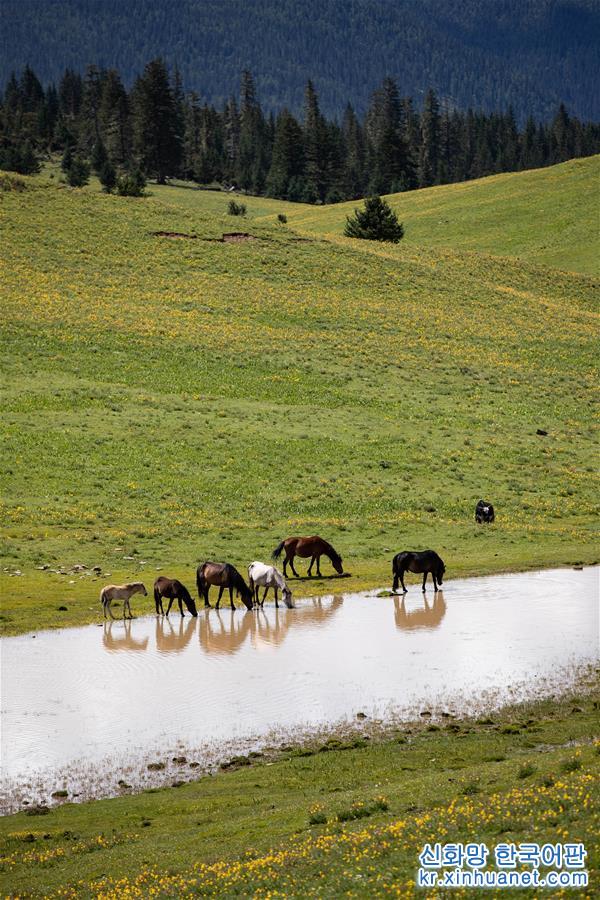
<point>83,707</point>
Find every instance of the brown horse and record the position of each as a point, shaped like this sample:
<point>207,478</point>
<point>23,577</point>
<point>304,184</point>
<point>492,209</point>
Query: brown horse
<point>421,562</point>
<point>222,575</point>
<point>315,547</point>
<point>172,589</point>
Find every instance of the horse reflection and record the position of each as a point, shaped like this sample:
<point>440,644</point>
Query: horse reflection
<point>427,616</point>
<point>232,632</point>
<point>123,642</point>
<point>173,639</point>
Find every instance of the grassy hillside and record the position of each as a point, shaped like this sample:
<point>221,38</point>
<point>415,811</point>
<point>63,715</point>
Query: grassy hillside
<point>544,216</point>
<point>172,400</point>
<point>302,822</point>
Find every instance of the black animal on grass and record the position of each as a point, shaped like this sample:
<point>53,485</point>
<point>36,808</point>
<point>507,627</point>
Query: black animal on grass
<point>484,513</point>
<point>420,562</point>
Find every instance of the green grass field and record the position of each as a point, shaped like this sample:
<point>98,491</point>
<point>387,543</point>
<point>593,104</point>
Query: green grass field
<point>166,401</point>
<point>172,400</point>
<point>324,821</point>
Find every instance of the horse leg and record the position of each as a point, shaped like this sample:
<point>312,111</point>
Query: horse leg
<point>206,600</point>
<point>169,606</point>
<point>291,560</point>
<point>319,566</point>
<point>231,603</point>
<point>109,609</point>
<point>276,603</point>
<point>266,591</point>
<point>435,587</point>
<point>221,589</point>
<point>401,573</point>
<point>312,560</point>
<point>180,606</point>
<point>424,580</point>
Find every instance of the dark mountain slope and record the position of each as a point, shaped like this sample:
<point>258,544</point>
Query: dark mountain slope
<point>475,52</point>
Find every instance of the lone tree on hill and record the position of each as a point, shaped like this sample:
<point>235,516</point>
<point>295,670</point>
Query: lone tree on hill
<point>376,222</point>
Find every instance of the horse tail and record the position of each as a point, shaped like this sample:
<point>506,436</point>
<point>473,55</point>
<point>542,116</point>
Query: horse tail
<point>102,597</point>
<point>156,595</point>
<point>200,582</point>
<point>277,551</point>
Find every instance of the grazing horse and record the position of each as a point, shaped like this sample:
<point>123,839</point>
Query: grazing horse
<point>268,577</point>
<point>484,513</point>
<point>122,592</point>
<point>172,589</point>
<point>424,561</point>
<point>223,575</point>
<point>315,547</point>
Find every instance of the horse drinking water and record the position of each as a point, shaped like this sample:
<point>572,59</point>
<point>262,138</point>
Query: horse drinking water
<point>172,589</point>
<point>222,575</point>
<point>424,561</point>
<point>265,576</point>
<point>314,546</point>
<point>122,592</point>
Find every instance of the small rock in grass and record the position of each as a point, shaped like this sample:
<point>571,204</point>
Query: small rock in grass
<point>361,715</point>
<point>62,609</point>
<point>156,766</point>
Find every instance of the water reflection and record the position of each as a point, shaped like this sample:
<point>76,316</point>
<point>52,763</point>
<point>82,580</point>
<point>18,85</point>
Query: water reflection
<point>173,638</point>
<point>121,641</point>
<point>427,616</point>
<point>226,632</point>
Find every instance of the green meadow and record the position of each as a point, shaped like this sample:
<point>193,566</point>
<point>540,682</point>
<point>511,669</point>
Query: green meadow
<point>168,400</point>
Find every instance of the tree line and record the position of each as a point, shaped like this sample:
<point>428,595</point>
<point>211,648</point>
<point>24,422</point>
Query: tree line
<point>158,130</point>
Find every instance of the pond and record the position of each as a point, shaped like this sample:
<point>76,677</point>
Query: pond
<point>85,708</point>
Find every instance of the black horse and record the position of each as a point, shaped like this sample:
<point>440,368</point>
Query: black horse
<point>424,561</point>
<point>172,589</point>
<point>484,513</point>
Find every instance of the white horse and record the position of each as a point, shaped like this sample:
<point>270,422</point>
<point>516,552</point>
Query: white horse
<point>122,592</point>
<point>268,577</point>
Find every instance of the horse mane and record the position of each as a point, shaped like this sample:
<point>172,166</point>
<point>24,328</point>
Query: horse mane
<point>331,553</point>
<point>237,581</point>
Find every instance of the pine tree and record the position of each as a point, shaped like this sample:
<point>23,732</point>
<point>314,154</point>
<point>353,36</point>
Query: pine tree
<point>99,156</point>
<point>231,124</point>
<point>315,147</point>
<point>115,125</point>
<point>353,174</point>
<point>155,122</point>
<point>89,114</point>
<point>429,151</point>
<point>376,222</point>
<point>286,175</point>
<point>78,172</point>
<point>253,154</point>
<point>108,176</point>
